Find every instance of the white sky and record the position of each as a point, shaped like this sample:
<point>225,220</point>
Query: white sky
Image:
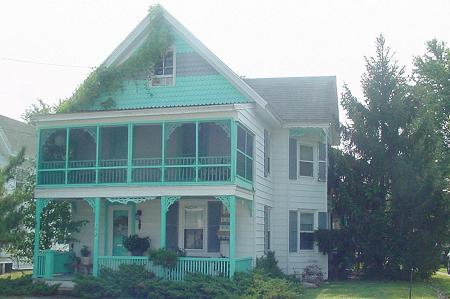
<point>255,38</point>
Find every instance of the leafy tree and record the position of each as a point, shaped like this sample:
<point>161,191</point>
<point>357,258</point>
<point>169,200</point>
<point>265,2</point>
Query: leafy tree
<point>388,185</point>
<point>17,213</point>
<point>9,201</point>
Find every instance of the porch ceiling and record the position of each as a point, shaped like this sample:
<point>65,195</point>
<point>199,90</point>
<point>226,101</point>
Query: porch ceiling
<point>142,191</point>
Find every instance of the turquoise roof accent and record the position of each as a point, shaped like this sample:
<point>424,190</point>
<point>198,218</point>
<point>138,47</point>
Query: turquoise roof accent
<point>187,91</point>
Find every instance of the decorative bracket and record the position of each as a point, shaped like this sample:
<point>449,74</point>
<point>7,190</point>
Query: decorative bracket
<point>170,128</point>
<point>225,127</point>
<point>226,200</point>
<point>126,200</point>
<point>91,202</point>
<point>167,201</point>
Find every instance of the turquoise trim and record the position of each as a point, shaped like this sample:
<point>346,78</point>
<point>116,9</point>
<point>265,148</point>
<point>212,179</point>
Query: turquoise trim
<point>95,252</point>
<point>244,183</point>
<point>232,210</point>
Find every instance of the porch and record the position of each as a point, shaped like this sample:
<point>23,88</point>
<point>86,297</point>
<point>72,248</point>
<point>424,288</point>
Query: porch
<point>204,227</point>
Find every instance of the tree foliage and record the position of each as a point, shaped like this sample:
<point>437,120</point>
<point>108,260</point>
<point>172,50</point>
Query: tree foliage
<point>388,184</point>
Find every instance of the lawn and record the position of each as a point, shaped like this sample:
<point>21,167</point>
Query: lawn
<point>382,289</point>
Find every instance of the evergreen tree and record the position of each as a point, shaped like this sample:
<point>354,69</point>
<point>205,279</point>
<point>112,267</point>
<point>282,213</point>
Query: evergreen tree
<point>394,202</point>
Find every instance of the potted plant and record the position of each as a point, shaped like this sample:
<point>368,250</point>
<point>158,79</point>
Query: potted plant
<point>136,245</point>
<point>165,257</point>
<point>85,255</point>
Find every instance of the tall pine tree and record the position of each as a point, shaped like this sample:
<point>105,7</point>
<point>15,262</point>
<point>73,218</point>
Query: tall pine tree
<point>398,214</point>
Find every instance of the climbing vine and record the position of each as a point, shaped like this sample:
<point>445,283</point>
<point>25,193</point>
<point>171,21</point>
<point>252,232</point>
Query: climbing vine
<point>104,81</point>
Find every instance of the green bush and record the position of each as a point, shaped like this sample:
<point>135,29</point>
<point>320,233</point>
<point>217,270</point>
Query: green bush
<point>259,285</point>
<point>25,286</point>
<point>127,281</point>
<point>131,281</point>
<point>269,265</point>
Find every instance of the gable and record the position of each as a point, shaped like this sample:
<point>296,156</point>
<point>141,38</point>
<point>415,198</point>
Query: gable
<point>197,82</point>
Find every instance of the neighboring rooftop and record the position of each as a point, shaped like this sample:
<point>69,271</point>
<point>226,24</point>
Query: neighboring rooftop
<point>13,135</point>
<point>308,100</point>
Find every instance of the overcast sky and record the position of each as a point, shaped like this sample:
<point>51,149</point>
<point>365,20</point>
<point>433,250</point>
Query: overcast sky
<point>255,38</point>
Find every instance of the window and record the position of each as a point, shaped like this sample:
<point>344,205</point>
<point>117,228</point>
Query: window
<point>322,149</point>
<point>306,231</point>
<point>194,225</point>
<point>266,153</point>
<point>302,224</point>
<point>292,158</point>
<point>266,229</point>
<point>163,73</point>
<point>244,153</point>
<point>306,163</point>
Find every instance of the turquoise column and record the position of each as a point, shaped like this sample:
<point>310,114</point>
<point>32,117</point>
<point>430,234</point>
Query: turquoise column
<point>162,238</point>
<point>96,236</point>
<point>106,251</point>
<point>37,233</point>
<point>232,234</point>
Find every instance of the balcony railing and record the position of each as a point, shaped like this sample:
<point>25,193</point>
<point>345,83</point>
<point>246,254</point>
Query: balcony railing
<point>147,170</point>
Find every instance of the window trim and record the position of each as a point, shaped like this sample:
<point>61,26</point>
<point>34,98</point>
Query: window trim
<point>174,70</point>
<point>267,153</point>
<point>267,228</point>
<point>182,227</point>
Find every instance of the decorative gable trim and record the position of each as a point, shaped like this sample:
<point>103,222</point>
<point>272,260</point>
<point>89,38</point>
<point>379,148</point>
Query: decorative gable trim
<point>136,36</point>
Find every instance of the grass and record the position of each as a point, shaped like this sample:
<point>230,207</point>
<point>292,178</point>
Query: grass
<point>439,283</point>
<point>15,274</point>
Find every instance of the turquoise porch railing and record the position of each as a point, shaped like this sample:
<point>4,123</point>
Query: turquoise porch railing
<point>243,264</point>
<point>207,266</point>
<point>148,170</point>
<point>52,262</point>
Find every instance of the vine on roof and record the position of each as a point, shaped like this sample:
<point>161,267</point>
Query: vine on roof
<point>104,81</point>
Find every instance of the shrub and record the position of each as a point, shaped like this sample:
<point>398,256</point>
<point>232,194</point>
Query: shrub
<point>25,286</point>
<point>312,274</point>
<point>269,265</point>
<point>127,281</point>
<point>165,257</point>
<point>259,285</point>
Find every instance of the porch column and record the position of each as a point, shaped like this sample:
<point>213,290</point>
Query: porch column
<point>166,202</point>
<point>37,233</point>
<point>232,234</point>
<point>96,236</point>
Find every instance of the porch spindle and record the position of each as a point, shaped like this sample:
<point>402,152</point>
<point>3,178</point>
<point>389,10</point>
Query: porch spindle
<point>96,236</point>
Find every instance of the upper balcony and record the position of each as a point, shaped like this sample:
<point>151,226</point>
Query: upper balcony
<point>163,153</point>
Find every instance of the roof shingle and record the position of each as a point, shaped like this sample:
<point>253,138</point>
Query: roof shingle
<point>308,100</point>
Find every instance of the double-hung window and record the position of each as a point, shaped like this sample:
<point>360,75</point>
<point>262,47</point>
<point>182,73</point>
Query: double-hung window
<point>301,230</point>
<point>306,231</point>
<point>322,157</point>
<point>194,225</point>
<point>244,156</point>
<point>306,161</point>
<point>164,70</point>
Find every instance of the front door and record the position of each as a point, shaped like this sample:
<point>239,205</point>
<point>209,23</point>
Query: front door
<point>120,229</point>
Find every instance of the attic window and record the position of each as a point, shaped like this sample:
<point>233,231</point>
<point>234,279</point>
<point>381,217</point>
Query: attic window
<point>163,73</point>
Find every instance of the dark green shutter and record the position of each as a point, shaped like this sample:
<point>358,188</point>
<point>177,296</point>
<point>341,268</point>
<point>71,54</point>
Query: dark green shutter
<point>292,159</point>
<point>293,231</point>
<point>172,227</point>
<point>214,214</point>
<point>323,220</point>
